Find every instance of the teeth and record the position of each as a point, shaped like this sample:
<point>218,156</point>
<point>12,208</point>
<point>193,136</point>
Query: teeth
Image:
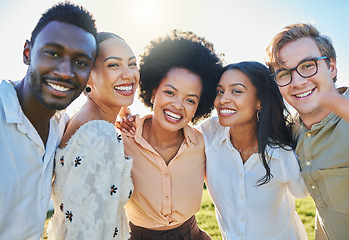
<point>123,88</point>
<point>226,111</point>
<point>173,115</point>
<point>58,88</point>
<point>304,94</point>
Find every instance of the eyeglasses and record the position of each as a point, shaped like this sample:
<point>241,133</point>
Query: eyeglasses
<point>306,68</point>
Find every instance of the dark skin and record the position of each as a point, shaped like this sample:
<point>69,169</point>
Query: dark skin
<point>39,116</point>
<point>60,62</point>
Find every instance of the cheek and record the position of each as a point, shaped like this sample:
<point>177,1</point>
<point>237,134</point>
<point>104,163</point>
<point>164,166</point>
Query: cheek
<point>136,74</point>
<point>283,91</point>
<point>41,67</point>
<point>83,75</point>
<point>136,78</point>
<point>216,102</point>
<point>192,111</point>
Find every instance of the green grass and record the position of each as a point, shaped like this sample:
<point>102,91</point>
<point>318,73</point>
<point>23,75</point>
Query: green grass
<point>207,220</point>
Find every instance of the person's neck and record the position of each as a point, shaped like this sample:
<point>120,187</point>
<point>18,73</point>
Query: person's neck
<point>102,111</point>
<point>244,140</point>
<point>37,114</point>
<point>158,137</point>
<point>313,118</point>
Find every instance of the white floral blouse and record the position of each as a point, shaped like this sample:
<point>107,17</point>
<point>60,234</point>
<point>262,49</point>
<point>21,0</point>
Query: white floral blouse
<point>92,185</point>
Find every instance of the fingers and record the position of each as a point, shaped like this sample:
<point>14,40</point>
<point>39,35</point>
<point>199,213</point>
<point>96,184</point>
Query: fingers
<point>124,111</point>
<point>127,124</point>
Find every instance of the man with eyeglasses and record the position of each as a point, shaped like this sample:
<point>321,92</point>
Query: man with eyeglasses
<point>303,64</point>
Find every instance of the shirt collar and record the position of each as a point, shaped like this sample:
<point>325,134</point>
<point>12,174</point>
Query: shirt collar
<point>12,108</point>
<point>223,137</point>
<point>189,132</point>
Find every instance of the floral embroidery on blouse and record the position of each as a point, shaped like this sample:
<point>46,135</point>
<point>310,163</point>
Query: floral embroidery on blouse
<point>91,168</point>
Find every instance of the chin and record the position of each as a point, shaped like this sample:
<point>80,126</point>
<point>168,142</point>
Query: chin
<point>224,123</point>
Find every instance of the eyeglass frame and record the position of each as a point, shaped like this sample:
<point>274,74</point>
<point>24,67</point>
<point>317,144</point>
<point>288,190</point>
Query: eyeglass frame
<point>295,69</point>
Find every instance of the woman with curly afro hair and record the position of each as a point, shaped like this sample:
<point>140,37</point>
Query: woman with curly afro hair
<point>178,78</point>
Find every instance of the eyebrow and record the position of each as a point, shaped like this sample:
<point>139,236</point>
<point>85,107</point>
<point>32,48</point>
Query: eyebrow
<point>191,95</point>
<point>283,67</point>
<point>60,47</point>
<point>118,58</point>
<point>233,85</point>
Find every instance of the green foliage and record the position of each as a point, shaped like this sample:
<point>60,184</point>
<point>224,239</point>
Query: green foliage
<point>207,220</point>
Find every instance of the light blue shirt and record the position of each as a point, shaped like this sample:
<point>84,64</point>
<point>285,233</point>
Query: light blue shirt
<point>26,168</point>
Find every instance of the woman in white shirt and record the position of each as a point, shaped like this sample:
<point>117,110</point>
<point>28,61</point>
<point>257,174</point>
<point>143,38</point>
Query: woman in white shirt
<point>92,176</point>
<point>252,172</point>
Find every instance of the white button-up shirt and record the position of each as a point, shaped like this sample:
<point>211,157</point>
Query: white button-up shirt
<point>243,210</point>
<point>26,168</point>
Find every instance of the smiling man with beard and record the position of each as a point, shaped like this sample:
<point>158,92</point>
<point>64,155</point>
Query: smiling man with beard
<point>59,56</point>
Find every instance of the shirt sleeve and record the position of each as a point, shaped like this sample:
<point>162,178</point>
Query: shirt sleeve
<point>291,172</point>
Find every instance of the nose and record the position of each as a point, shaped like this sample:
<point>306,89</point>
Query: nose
<point>64,69</point>
<point>177,103</point>
<point>127,73</point>
<point>224,98</point>
<point>297,80</point>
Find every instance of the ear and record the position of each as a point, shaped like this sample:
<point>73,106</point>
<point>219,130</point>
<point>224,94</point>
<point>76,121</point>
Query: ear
<point>333,68</point>
<point>26,53</point>
<point>153,93</point>
<point>89,83</point>
<point>259,105</point>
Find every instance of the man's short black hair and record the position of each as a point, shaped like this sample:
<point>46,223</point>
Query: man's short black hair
<point>66,13</point>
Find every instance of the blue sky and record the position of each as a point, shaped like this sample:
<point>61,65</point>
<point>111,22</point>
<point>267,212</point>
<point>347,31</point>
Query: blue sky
<point>239,29</point>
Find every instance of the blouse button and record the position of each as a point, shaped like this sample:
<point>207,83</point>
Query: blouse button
<point>313,187</point>
<point>308,163</point>
<point>308,134</point>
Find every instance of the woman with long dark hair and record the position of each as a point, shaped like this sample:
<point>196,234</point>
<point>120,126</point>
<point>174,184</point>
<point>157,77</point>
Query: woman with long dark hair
<point>252,171</point>
<point>92,175</point>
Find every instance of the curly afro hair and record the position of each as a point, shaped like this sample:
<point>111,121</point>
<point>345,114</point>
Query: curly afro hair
<point>181,50</point>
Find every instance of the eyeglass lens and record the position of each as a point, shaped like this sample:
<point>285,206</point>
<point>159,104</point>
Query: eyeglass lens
<point>305,69</point>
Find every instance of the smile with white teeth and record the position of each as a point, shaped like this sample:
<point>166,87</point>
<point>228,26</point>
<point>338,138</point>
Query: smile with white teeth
<point>227,111</point>
<point>58,87</point>
<point>304,94</point>
<point>123,88</point>
<point>173,115</point>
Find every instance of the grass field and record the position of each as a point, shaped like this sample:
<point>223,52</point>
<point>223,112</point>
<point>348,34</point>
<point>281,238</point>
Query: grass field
<point>207,220</point>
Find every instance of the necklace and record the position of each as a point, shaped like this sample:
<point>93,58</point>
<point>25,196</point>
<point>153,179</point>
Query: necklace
<point>178,144</point>
<point>247,152</point>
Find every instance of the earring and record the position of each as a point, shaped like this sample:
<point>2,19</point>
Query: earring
<point>88,89</point>
<point>258,115</point>
<point>152,100</point>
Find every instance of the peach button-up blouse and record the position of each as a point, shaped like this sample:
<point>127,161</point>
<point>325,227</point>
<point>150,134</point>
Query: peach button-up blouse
<point>165,196</point>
